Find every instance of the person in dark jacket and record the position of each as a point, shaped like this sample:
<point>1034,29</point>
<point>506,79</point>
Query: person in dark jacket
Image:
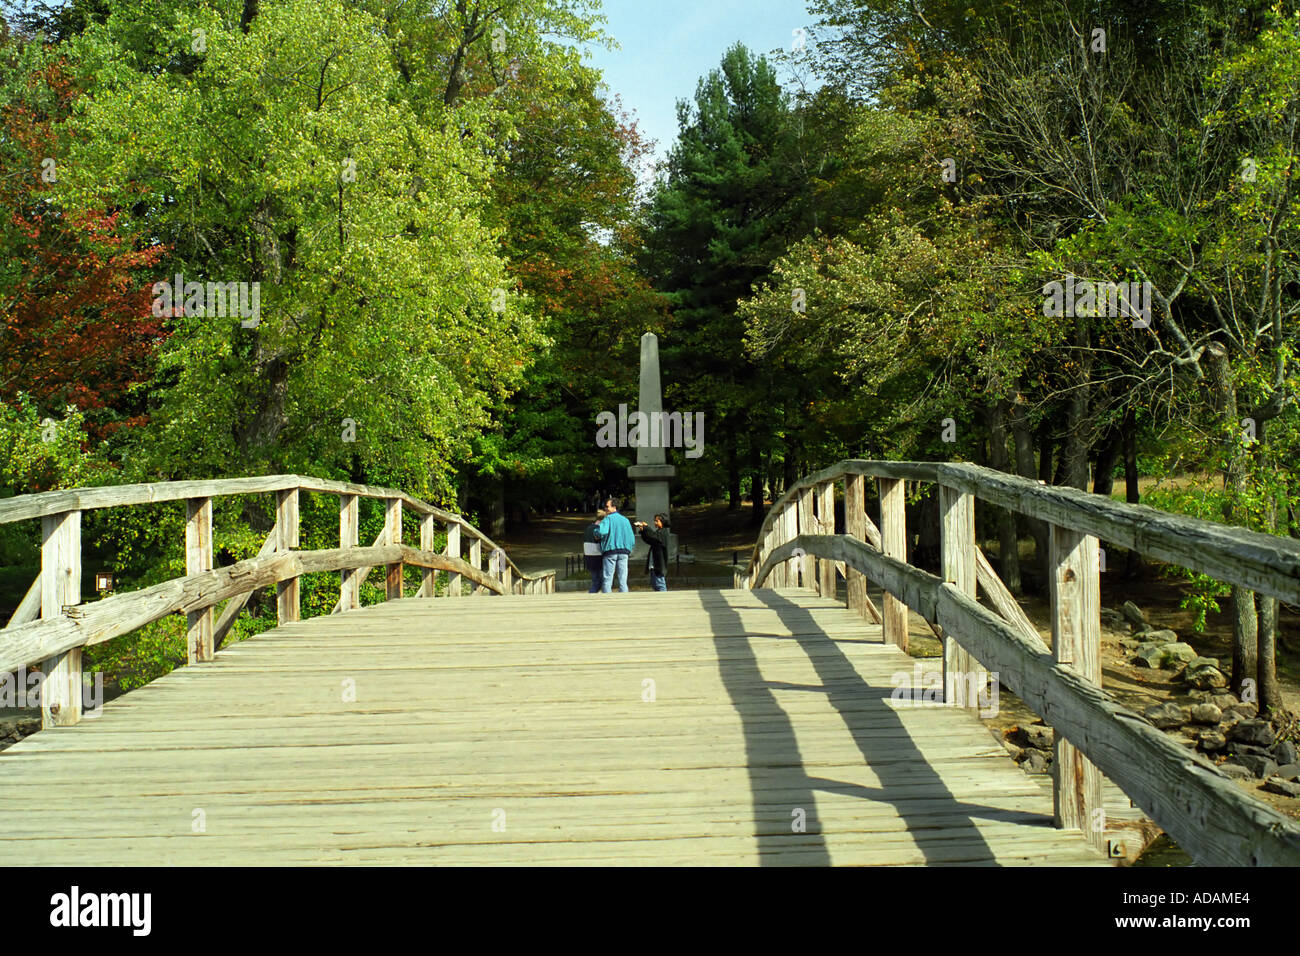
<point>591,552</point>
<point>656,561</point>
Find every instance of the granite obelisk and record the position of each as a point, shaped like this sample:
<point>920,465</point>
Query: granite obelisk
<point>651,473</point>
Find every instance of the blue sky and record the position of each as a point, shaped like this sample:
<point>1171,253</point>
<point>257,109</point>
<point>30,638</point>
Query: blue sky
<point>667,45</point>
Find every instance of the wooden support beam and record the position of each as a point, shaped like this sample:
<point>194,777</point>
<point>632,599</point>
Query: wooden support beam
<point>60,588</point>
<point>957,557</point>
<point>476,559</point>
<point>393,535</point>
<point>454,588</point>
<point>198,557</point>
<point>806,525</point>
<point>826,519</point>
<point>855,522</point>
<point>790,526</point>
<point>427,575</point>
<point>286,518</point>
<point>1076,641</point>
<point>29,608</point>
<point>893,544</point>
<point>349,537</point>
<point>236,603</point>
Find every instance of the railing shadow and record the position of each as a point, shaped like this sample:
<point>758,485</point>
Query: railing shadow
<point>779,780</point>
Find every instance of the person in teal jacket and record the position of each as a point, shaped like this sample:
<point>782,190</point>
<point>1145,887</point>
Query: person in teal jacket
<point>616,543</point>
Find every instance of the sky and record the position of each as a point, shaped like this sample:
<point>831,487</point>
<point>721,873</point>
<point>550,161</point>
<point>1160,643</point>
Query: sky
<point>667,45</point>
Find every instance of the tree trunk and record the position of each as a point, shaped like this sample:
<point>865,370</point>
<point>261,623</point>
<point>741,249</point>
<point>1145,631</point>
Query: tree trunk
<point>1245,623</point>
<point>1024,443</point>
<point>1103,479</point>
<point>1270,691</point>
<point>1008,540</point>
<point>1046,449</point>
<point>1132,494</point>
<point>733,475</point>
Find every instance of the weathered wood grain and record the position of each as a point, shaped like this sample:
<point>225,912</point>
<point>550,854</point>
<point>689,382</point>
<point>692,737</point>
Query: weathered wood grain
<point>198,558</point>
<point>60,589</point>
<point>892,541</point>
<point>1076,640</point>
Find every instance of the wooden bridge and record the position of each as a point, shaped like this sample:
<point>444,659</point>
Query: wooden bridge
<point>765,724</point>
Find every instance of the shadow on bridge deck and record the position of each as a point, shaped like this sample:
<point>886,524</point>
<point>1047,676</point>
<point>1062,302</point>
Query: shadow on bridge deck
<point>678,728</point>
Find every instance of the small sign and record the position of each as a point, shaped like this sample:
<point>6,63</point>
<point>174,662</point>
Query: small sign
<point>103,581</point>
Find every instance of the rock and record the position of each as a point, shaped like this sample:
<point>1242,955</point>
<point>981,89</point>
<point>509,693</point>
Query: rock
<point>1285,752</point>
<point>1212,740</point>
<point>1112,619</point>
<point>1260,767</point>
<point>1164,715</point>
<point>1142,629</point>
<point>1255,750</point>
<point>1040,736</point>
<point>1163,635</point>
<point>1223,701</point>
<point>1012,749</point>
<point>1235,771</point>
<point>1278,785</point>
<point>1257,732</point>
<point>1230,719</point>
<point>1035,761</point>
<point>1290,772</point>
<point>1133,613</point>
<point>1244,709</point>
<point>1177,652</point>
<point>1151,654</point>
<point>1204,672</point>
<point>1204,714</point>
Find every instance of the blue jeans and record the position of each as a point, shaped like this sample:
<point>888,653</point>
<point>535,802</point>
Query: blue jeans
<point>613,563</point>
<point>597,574</point>
<point>659,581</point>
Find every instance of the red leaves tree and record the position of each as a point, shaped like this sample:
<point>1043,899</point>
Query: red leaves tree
<point>76,325</point>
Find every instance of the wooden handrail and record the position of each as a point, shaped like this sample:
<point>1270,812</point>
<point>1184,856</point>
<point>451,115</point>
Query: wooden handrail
<point>1182,792</point>
<point>65,625</point>
<point>46,503</point>
<point>1267,564</point>
<point>1201,808</point>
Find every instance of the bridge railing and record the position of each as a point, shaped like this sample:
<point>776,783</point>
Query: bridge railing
<point>1185,794</point>
<point>51,625</point>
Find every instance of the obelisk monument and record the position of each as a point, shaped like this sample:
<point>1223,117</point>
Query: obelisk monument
<point>651,471</point>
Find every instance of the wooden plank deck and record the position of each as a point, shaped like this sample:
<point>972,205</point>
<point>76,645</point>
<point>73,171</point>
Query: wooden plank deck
<point>514,730</point>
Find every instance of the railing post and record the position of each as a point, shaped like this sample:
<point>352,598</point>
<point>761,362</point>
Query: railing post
<point>453,551</point>
<point>826,521</point>
<point>855,524</point>
<point>426,544</point>
<point>198,558</point>
<point>393,535</point>
<point>476,559</point>
<point>806,525</point>
<point>957,545</point>
<point>60,587</point>
<point>790,526</point>
<point>349,531</point>
<point>893,544</point>
<point>286,591</point>
<point>1076,641</point>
